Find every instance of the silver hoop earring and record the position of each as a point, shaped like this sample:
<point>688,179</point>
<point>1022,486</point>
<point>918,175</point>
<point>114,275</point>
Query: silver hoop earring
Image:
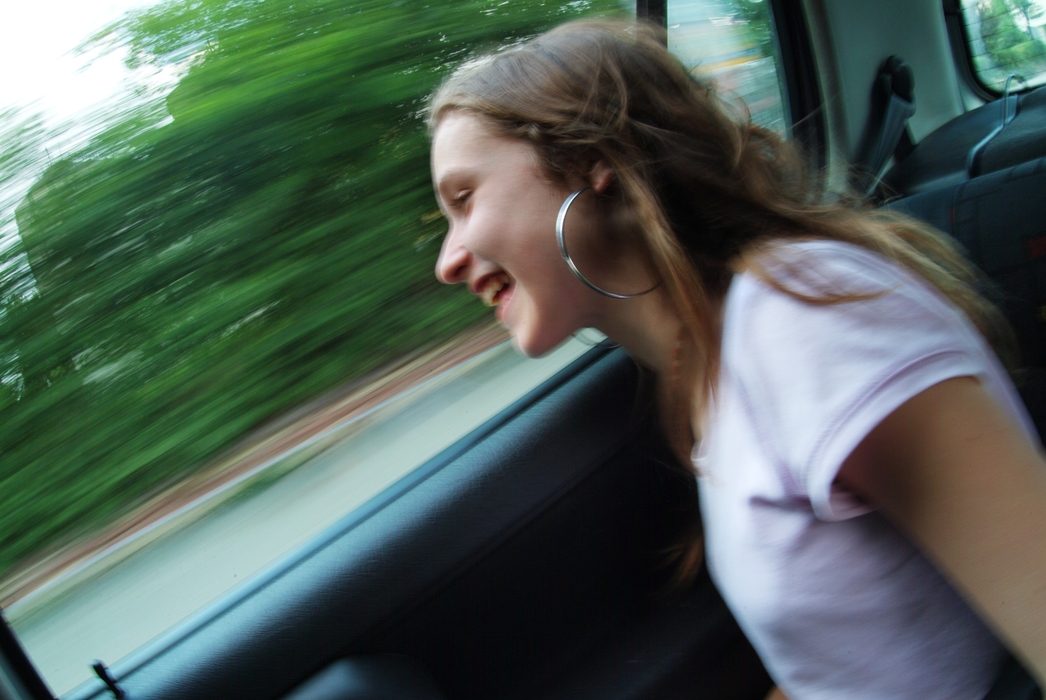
<point>560,220</point>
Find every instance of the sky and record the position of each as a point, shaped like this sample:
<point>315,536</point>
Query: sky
<point>37,39</point>
<point>41,72</point>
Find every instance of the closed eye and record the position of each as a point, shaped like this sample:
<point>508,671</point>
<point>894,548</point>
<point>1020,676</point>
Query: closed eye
<point>460,199</point>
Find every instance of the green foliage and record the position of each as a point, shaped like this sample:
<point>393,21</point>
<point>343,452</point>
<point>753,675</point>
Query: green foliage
<point>1011,50</point>
<point>275,238</point>
<point>758,23</point>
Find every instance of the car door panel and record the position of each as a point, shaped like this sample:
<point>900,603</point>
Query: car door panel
<point>379,677</point>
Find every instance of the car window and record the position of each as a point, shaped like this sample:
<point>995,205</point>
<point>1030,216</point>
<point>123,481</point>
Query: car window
<point>733,44</point>
<point>1004,38</point>
<point>220,330</point>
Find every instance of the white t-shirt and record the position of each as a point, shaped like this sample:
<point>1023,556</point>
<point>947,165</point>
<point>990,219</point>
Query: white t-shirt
<point>837,603</point>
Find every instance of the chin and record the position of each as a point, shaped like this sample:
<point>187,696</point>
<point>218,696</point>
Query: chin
<point>525,348</point>
<point>519,348</point>
<point>536,346</point>
<point>535,331</point>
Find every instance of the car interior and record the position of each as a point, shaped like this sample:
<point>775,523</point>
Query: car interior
<point>534,559</point>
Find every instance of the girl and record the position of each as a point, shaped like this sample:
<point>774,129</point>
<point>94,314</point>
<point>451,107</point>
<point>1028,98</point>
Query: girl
<point>831,371</point>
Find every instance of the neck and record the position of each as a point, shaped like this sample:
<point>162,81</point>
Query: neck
<point>647,327</point>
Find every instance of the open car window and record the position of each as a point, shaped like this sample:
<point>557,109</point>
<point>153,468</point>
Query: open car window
<point>219,327</point>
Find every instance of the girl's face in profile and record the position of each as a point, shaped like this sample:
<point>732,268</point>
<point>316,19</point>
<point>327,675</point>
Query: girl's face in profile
<point>501,242</point>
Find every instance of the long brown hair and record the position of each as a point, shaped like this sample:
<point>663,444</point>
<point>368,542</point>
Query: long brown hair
<point>705,188</point>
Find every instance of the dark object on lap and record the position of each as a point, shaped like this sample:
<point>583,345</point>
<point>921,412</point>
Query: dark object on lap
<point>1014,683</point>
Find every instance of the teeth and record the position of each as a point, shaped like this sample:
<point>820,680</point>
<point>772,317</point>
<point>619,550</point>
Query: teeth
<point>491,289</point>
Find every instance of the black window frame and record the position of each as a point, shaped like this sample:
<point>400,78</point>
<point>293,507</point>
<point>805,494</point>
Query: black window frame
<point>18,669</point>
<point>802,83</point>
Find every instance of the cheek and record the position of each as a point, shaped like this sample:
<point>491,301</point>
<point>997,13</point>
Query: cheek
<point>534,246</point>
<point>491,235</point>
<point>519,233</point>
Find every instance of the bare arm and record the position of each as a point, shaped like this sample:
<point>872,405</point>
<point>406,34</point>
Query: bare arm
<point>951,470</point>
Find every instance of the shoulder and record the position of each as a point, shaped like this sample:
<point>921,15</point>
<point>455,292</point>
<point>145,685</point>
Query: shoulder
<point>812,264</point>
<point>820,270</point>
<point>818,375</point>
<point>832,304</point>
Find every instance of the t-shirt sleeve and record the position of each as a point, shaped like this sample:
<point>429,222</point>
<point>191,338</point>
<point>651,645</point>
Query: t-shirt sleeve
<point>820,377</point>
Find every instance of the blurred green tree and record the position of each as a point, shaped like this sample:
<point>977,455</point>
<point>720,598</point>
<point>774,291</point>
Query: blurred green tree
<point>758,23</point>
<point>1010,48</point>
<point>177,284</point>
<point>1029,9</point>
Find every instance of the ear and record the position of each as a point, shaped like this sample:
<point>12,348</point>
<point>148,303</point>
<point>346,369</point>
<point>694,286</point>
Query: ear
<point>600,176</point>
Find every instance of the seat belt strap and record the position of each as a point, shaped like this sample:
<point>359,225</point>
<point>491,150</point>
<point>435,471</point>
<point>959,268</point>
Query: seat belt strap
<point>896,83</point>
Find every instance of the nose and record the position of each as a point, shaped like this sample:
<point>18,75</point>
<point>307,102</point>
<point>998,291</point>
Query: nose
<point>454,260</point>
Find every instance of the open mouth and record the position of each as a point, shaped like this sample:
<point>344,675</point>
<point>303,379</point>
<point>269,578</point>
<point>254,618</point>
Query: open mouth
<point>494,289</point>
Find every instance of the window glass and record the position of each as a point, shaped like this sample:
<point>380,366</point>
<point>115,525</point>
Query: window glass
<point>1007,37</point>
<point>220,330</point>
<point>732,43</point>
